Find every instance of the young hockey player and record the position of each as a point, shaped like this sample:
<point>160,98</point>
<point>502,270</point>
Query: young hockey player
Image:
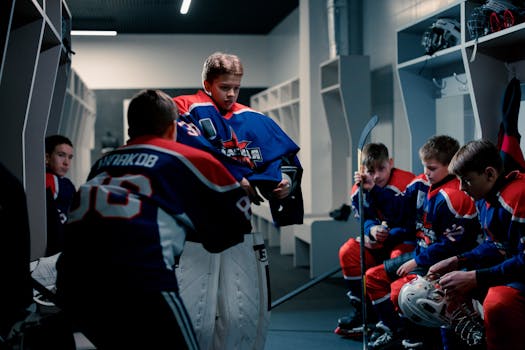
<point>128,227</point>
<point>447,226</point>
<point>384,226</point>
<point>59,190</point>
<point>495,269</point>
<point>263,158</point>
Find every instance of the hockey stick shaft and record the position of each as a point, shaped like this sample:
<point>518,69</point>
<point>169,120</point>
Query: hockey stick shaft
<point>362,139</point>
<point>363,268</point>
<point>305,286</point>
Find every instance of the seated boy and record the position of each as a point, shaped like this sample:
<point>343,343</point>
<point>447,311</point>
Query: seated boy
<point>446,226</point>
<point>382,183</point>
<point>494,269</point>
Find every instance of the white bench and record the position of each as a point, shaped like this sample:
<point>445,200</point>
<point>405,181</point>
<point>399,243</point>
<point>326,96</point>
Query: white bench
<point>317,242</point>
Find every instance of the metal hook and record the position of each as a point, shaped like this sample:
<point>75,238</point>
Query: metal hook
<point>456,76</point>
<point>438,85</point>
<point>463,84</point>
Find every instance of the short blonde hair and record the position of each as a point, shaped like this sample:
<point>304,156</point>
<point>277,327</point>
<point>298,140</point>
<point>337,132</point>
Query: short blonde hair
<point>219,63</point>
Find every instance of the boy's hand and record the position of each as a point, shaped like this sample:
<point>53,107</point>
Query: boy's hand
<point>407,267</point>
<point>255,198</point>
<point>364,179</point>
<point>379,233</point>
<point>458,283</point>
<point>444,266</point>
<point>282,190</point>
<point>369,243</point>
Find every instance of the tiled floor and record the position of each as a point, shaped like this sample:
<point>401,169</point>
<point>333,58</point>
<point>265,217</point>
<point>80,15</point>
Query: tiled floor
<point>306,321</point>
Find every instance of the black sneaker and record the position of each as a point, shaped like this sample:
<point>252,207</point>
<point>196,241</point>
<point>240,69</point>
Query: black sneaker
<point>383,338</point>
<point>351,325</point>
<point>350,321</point>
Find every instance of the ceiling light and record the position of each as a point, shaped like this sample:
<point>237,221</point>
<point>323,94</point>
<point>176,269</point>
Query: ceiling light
<point>94,32</point>
<point>185,7</point>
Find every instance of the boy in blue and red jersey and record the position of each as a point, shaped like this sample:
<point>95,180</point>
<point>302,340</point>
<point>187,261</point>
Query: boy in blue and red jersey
<point>59,190</point>
<point>251,145</point>
<point>446,225</point>
<point>382,184</point>
<point>495,269</point>
<point>263,158</point>
<point>129,224</point>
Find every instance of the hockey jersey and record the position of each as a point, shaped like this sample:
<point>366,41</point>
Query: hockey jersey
<point>509,136</point>
<point>500,257</point>
<point>129,221</point>
<point>249,144</point>
<point>59,196</point>
<point>61,190</point>
<point>383,204</point>
<point>448,225</point>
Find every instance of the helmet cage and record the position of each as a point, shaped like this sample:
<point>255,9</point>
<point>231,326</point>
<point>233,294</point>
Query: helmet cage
<point>443,33</point>
<point>423,302</point>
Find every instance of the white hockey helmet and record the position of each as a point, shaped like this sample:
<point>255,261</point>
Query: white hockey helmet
<point>423,302</point>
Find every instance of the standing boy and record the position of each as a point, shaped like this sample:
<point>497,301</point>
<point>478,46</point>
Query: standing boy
<point>447,226</point>
<point>227,294</point>
<point>383,185</point>
<point>128,227</point>
<point>494,269</point>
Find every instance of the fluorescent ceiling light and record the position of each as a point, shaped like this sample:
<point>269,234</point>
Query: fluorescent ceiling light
<point>94,32</point>
<point>185,7</point>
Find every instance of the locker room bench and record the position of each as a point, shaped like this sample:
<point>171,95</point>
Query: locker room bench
<point>317,242</point>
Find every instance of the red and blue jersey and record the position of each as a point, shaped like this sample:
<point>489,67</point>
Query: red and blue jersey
<point>249,144</point>
<point>244,135</point>
<point>500,257</point>
<point>384,204</point>
<point>129,221</point>
<point>448,225</point>
<point>61,190</point>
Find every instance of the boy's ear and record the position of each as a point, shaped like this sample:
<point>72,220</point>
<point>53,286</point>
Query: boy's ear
<point>207,87</point>
<point>492,174</point>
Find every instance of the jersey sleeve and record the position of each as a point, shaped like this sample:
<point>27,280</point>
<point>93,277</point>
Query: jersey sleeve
<point>216,204</point>
<point>454,212</point>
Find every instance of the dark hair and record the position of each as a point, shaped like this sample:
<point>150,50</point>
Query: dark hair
<point>373,154</point>
<point>441,148</point>
<point>55,140</point>
<point>219,63</point>
<point>476,156</point>
<point>150,112</point>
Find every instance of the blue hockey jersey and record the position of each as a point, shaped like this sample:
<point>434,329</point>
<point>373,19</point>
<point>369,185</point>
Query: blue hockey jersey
<point>254,146</point>
<point>385,204</point>
<point>129,221</point>
<point>445,208</point>
<point>500,257</point>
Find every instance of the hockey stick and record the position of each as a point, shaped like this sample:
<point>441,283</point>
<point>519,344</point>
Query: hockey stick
<point>305,286</point>
<point>362,139</point>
